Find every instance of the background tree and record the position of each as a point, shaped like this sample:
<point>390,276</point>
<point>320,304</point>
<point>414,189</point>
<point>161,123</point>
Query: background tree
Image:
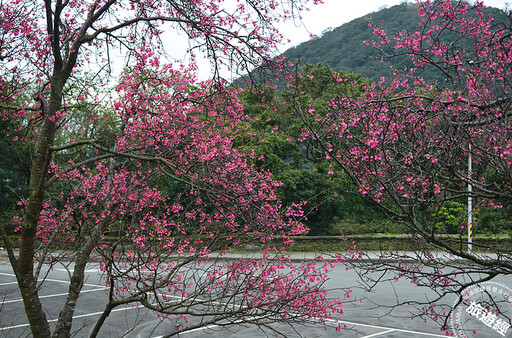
<point>102,163</point>
<point>341,47</point>
<point>406,143</point>
<point>14,169</point>
<point>275,134</point>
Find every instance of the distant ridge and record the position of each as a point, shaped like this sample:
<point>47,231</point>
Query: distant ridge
<point>342,48</point>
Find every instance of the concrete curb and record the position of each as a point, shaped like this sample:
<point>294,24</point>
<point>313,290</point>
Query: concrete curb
<point>364,257</point>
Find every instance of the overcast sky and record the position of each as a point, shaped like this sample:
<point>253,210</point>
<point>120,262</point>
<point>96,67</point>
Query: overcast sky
<point>333,13</point>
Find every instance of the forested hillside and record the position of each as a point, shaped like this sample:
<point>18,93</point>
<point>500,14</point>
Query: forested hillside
<point>334,204</point>
<point>343,47</point>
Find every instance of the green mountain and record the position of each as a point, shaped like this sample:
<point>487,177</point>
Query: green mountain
<point>342,48</point>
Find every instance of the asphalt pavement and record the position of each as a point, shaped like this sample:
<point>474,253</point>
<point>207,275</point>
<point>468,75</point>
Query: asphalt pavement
<point>366,314</point>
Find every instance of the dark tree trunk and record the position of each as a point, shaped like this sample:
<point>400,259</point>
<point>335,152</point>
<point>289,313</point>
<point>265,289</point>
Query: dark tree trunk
<point>65,322</point>
<point>25,274</point>
<point>41,159</point>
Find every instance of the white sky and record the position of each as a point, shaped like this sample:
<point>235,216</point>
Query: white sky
<point>333,13</point>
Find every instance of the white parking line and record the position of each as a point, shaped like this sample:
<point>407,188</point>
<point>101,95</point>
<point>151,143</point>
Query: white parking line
<point>65,281</point>
<point>377,327</point>
<point>194,330</point>
<point>379,333</point>
<point>50,280</point>
<point>9,283</point>
<point>410,332</point>
<point>212,326</point>
<point>74,317</point>
<point>86,270</point>
<point>55,295</point>
<point>387,328</point>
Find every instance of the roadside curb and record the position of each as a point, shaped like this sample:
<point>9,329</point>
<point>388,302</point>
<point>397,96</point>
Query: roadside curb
<point>375,257</point>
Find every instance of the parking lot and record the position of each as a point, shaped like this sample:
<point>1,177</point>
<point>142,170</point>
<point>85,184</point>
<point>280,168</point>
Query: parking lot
<point>361,319</point>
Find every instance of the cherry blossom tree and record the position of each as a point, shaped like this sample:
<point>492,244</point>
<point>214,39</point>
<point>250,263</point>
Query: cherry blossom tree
<point>406,144</point>
<point>145,177</point>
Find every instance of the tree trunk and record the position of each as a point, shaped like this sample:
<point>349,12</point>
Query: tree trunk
<point>40,163</point>
<point>65,322</point>
<point>25,274</point>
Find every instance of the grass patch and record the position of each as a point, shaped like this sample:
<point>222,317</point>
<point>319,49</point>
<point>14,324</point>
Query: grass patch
<point>388,242</point>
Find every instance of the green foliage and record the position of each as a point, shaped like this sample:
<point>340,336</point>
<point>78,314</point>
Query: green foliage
<point>450,218</point>
<point>14,170</point>
<point>343,47</point>
<point>272,133</point>
<point>323,201</point>
<point>372,225</point>
<point>493,220</point>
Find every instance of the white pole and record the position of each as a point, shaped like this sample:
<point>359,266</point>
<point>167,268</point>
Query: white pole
<point>470,206</point>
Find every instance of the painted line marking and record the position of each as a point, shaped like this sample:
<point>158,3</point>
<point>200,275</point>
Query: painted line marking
<point>65,281</point>
<point>51,280</point>
<point>196,329</point>
<point>377,327</point>
<point>86,270</point>
<point>379,333</point>
<point>388,329</point>
<point>74,317</point>
<point>211,326</point>
<point>55,295</point>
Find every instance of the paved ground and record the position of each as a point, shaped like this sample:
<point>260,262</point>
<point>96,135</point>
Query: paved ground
<point>362,319</point>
